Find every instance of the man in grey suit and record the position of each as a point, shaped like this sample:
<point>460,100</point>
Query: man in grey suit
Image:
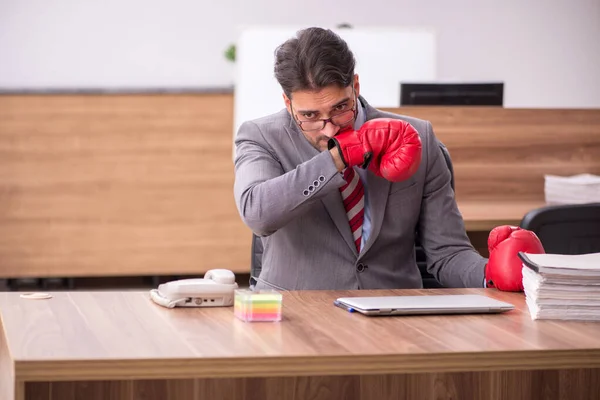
<point>290,186</point>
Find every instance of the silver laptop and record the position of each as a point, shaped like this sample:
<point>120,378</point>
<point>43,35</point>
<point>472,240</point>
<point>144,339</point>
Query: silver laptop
<point>427,304</point>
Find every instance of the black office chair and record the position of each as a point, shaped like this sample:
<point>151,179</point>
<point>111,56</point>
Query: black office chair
<point>566,229</point>
<point>428,280</point>
<point>255,259</point>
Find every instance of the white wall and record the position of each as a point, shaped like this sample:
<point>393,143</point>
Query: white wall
<point>547,52</point>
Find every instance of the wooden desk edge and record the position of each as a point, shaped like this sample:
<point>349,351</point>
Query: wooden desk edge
<point>304,366</point>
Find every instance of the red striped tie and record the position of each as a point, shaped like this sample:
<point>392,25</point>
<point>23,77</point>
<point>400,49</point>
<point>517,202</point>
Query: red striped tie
<point>353,193</point>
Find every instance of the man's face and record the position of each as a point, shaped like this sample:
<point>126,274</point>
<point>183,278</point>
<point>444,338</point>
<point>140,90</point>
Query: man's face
<point>310,108</point>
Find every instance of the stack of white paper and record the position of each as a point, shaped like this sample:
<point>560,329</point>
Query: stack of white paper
<point>576,189</point>
<point>562,286</point>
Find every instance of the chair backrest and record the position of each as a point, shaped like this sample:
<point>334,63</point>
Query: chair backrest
<point>255,259</point>
<point>566,229</point>
<point>428,280</point>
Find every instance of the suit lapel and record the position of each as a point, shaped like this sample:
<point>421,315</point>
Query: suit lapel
<point>335,207</point>
<point>332,202</point>
<point>378,191</point>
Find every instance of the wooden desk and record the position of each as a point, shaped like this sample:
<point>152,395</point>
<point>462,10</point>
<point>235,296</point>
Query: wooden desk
<point>120,345</point>
<point>484,216</point>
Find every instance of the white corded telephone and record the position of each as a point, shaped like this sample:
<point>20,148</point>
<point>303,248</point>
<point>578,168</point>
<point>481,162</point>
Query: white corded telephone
<point>216,289</point>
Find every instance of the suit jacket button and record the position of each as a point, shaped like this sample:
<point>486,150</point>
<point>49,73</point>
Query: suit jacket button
<point>361,267</point>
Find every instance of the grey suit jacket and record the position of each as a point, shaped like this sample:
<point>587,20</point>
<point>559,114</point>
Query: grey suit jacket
<point>287,192</point>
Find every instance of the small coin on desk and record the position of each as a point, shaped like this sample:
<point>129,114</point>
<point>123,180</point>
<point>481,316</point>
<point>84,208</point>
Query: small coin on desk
<point>36,296</point>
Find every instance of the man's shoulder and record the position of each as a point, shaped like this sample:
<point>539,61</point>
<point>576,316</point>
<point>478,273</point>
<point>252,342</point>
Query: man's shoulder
<point>267,122</point>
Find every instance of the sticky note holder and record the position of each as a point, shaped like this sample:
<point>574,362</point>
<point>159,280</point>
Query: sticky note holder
<point>259,305</point>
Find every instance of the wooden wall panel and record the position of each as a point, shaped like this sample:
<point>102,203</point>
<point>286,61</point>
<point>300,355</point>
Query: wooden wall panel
<point>118,185</point>
<point>106,185</point>
<point>503,154</point>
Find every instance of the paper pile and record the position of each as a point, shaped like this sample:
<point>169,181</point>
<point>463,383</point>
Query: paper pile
<point>562,286</point>
<point>576,189</point>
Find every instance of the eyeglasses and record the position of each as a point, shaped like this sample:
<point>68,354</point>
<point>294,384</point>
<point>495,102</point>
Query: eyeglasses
<point>339,119</point>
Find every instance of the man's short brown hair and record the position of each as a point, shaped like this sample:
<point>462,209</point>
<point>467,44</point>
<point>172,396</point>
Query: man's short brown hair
<point>314,59</point>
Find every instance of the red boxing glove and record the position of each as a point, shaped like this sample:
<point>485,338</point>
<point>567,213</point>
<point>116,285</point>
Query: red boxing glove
<point>391,148</point>
<point>504,270</point>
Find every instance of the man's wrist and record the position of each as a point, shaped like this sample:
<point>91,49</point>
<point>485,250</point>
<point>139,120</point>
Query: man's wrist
<point>337,159</point>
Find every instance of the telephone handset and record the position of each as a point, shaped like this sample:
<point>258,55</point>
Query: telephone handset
<point>216,289</point>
